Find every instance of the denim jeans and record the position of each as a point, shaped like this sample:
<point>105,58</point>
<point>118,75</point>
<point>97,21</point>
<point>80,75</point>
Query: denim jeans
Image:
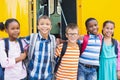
<point>87,73</point>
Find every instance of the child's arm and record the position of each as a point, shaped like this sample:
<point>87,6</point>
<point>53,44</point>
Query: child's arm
<point>9,62</point>
<point>59,41</point>
<point>21,57</point>
<point>81,37</point>
<point>4,60</point>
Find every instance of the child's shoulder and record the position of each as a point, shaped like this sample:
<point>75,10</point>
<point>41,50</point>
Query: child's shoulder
<point>2,41</point>
<point>60,45</point>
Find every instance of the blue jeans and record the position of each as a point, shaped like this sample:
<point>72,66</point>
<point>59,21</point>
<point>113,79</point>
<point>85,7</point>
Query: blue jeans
<point>87,73</point>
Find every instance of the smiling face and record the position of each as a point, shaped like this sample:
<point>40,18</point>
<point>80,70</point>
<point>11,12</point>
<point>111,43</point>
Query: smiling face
<point>13,30</point>
<point>72,35</point>
<point>44,26</point>
<point>92,27</point>
<point>108,30</point>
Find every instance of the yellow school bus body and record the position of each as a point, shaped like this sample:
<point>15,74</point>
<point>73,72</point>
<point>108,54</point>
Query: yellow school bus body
<point>15,9</point>
<point>25,12</point>
<point>101,10</point>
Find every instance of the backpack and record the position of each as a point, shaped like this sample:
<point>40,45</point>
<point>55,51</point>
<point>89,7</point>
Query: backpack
<point>61,55</point>
<point>6,41</point>
<point>1,73</point>
<point>116,46</point>
<point>85,42</point>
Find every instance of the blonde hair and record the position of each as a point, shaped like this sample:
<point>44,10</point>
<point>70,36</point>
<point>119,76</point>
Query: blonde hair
<point>71,26</point>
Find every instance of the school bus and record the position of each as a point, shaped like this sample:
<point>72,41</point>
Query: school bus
<point>61,13</point>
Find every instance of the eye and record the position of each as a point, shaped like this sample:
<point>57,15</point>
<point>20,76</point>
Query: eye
<point>18,27</point>
<point>41,23</point>
<point>47,24</point>
<point>95,25</point>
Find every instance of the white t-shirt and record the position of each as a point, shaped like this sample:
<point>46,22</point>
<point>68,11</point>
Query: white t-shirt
<point>13,71</point>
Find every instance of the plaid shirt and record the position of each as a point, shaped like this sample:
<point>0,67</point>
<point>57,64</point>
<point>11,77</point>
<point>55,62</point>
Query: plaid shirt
<point>40,67</point>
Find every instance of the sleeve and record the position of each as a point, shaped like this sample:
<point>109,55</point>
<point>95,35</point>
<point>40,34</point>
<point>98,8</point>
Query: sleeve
<point>4,60</point>
<point>26,42</point>
<point>58,50</point>
<point>118,59</point>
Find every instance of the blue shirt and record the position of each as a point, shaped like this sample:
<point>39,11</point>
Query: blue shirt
<point>91,54</point>
<point>40,67</point>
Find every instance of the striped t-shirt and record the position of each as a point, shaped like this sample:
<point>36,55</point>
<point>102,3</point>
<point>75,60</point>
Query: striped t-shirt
<point>91,54</point>
<point>68,67</point>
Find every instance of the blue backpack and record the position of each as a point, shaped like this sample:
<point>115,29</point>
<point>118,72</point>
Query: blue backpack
<point>6,41</point>
<point>1,73</point>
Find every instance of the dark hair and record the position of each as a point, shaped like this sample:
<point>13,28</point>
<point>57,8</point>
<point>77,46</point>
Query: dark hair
<point>104,24</point>
<point>71,26</point>
<point>43,17</point>
<point>2,26</point>
<point>108,21</point>
<point>88,20</point>
<point>7,22</point>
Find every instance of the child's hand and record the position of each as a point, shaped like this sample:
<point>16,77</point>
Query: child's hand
<point>59,41</point>
<point>80,37</point>
<point>21,57</point>
<point>118,74</point>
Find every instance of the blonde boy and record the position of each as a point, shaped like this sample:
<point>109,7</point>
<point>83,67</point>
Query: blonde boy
<point>68,67</point>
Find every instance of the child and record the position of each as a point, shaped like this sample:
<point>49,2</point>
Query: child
<point>90,50</point>
<point>41,65</point>
<point>108,57</point>
<point>1,69</point>
<point>68,67</point>
<point>13,65</point>
<point>118,62</point>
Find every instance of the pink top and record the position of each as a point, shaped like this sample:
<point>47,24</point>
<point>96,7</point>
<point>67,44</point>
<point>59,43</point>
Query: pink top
<point>13,71</point>
<point>118,61</point>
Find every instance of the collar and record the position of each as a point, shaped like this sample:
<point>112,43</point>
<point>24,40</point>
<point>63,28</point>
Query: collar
<point>93,35</point>
<point>41,38</point>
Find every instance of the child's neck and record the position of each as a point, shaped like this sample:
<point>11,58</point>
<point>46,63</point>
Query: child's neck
<point>12,39</point>
<point>72,44</point>
<point>108,40</point>
<point>45,36</point>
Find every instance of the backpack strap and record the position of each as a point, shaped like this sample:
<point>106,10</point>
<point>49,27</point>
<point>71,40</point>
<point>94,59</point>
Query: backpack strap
<point>116,46</point>
<point>21,45</point>
<point>100,37</point>
<point>6,46</point>
<point>33,38</point>
<point>61,55</point>
<point>84,44</point>
<point>52,52</point>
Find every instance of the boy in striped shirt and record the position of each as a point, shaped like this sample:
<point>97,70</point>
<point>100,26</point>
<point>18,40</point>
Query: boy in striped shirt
<point>68,67</point>
<point>89,59</point>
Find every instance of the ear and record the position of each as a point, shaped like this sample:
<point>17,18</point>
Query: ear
<point>66,35</point>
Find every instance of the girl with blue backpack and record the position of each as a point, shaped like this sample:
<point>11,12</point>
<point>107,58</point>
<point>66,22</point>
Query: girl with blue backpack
<point>11,59</point>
